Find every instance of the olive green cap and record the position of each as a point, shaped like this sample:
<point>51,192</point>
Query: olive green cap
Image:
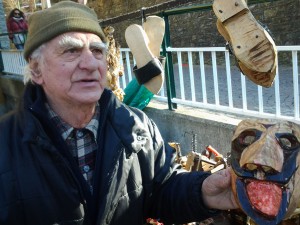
<point>62,17</point>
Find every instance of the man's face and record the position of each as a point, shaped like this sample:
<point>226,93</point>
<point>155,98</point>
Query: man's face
<point>72,69</point>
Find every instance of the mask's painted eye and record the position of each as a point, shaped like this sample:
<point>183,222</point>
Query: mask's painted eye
<point>288,141</point>
<point>248,137</point>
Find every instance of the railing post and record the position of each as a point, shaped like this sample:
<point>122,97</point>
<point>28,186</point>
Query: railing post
<point>1,61</point>
<point>169,72</point>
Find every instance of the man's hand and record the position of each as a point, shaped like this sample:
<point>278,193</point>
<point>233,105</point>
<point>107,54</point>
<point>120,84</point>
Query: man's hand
<point>217,192</point>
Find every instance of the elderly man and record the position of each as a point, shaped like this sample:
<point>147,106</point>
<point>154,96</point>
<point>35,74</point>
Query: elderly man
<point>72,153</point>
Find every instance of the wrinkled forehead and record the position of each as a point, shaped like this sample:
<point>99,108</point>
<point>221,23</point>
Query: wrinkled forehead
<point>270,126</point>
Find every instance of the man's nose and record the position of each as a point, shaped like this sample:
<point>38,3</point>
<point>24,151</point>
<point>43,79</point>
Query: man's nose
<point>88,61</point>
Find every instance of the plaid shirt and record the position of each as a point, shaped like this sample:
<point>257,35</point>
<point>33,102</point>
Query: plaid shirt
<point>81,142</point>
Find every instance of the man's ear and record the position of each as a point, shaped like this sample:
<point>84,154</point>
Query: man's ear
<point>35,71</point>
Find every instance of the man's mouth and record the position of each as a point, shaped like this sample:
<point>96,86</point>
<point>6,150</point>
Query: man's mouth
<point>87,81</point>
<point>93,80</point>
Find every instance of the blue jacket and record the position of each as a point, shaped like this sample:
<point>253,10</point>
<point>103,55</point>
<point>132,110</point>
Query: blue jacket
<point>135,177</point>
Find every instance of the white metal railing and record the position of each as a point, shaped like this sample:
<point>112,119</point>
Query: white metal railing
<point>13,61</point>
<point>210,79</point>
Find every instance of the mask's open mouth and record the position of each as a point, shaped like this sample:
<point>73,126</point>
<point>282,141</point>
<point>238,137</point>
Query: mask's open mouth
<point>265,197</point>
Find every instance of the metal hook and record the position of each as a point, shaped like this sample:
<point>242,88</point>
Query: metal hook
<point>143,15</point>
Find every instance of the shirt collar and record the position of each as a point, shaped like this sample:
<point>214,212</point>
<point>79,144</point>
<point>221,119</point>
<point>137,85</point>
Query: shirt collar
<point>65,129</point>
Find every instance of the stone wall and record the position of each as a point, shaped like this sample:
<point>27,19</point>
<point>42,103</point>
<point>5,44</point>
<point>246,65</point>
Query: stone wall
<point>208,127</point>
<point>198,29</point>
<point>4,40</point>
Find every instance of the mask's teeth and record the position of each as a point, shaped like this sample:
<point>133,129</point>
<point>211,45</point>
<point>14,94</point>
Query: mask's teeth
<point>259,175</point>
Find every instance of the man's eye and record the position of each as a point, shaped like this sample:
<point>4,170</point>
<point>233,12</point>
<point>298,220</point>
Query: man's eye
<point>98,52</point>
<point>71,50</point>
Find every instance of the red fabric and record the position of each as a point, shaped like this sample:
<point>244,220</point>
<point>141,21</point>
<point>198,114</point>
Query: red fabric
<point>16,26</point>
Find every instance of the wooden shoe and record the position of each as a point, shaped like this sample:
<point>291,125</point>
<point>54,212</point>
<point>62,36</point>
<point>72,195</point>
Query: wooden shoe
<point>137,40</point>
<point>154,27</point>
<point>148,69</point>
<point>251,44</point>
<point>264,79</point>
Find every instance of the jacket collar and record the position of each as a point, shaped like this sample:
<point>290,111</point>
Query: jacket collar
<point>130,132</point>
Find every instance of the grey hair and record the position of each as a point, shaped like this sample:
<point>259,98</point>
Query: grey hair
<point>28,71</point>
<point>38,56</point>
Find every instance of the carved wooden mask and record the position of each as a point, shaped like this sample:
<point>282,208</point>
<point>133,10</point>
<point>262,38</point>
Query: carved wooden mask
<point>265,159</point>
